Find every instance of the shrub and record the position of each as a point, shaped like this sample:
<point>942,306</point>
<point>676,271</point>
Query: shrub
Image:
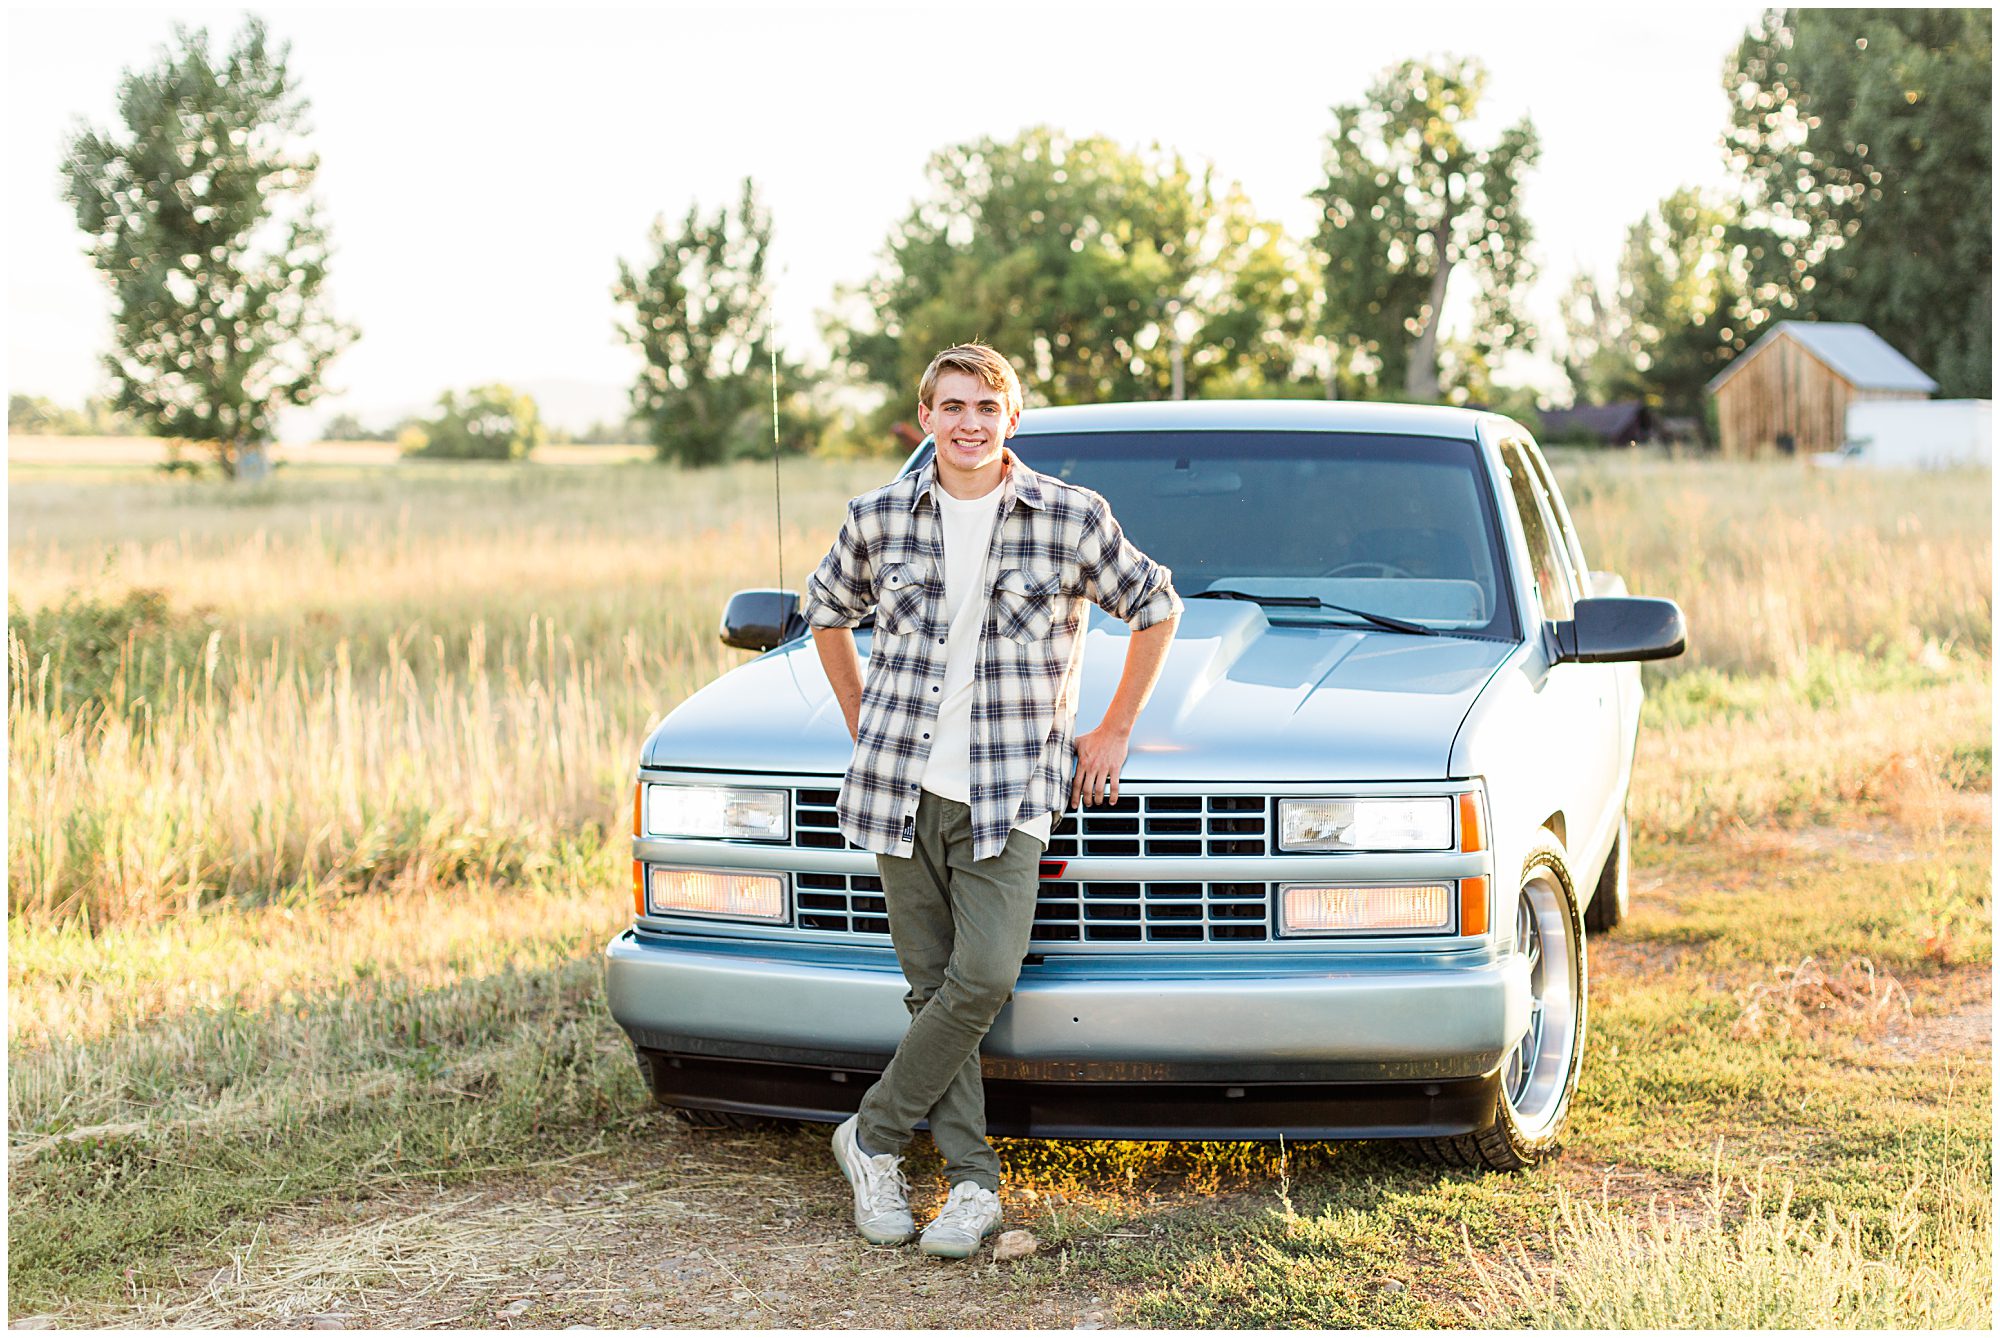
<point>103,654</point>
<point>492,422</point>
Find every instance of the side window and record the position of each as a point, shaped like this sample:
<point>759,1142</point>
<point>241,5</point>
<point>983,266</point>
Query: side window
<point>1565,528</point>
<point>1544,549</point>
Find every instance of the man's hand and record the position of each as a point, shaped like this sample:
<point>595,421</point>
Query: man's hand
<point>842,663</point>
<point>1099,756</point>
<point>1101,753</point>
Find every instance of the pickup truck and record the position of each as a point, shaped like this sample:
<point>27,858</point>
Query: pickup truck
<point>1371,815</point>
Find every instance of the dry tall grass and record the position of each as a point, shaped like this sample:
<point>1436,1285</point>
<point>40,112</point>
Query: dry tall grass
<point>1753,1260</point>
<point>401,680</point>
<point>1773,561</point>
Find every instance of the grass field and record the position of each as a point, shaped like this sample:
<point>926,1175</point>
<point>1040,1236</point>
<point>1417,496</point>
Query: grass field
<point>317,798</point>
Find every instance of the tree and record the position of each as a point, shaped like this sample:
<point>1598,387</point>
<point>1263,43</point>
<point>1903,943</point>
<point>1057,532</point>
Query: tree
<point>1100,270</point>
<point>1683,286</point>
<point>1864,138</point>
<point>700,315</point>
<point>32,415</point>
<point>1597,349</point>
<point>349,427</point>
<point>201,217</point>
<point>1408,203</point>
<point>1674,318</point>
<point>493,422</point>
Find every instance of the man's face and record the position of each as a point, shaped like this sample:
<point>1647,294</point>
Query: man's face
<point>970,420</point>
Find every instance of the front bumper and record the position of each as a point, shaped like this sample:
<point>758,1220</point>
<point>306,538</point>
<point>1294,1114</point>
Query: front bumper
<point>1163,1047</point>
<point>1055,1107</point>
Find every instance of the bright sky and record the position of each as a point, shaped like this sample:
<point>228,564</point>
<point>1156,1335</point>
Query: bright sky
<point>483,169</point>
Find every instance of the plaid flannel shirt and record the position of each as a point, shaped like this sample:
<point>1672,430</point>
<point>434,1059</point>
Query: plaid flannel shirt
<point>1054,546</point>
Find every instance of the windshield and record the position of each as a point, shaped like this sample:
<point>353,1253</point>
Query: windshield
<point>1394,525</point>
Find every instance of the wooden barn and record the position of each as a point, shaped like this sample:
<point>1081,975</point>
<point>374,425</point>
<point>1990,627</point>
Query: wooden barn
<point>1788,393</point>
<point>1622,423</point>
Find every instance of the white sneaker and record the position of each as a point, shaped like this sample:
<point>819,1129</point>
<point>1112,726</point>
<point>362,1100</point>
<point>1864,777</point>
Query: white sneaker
<point>970,1214</point>
<point>881,1194</point>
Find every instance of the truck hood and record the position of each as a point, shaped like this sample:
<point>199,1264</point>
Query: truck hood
<point>1238,700</point>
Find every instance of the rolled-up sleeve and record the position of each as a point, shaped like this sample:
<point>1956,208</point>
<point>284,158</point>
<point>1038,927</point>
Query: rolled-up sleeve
<point>1118,578</point>
<point>842,590</point>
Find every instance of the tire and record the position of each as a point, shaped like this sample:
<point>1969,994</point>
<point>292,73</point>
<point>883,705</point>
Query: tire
<point>1538,1076</point>
<point>721,1119</point>
<point>1614,886</point>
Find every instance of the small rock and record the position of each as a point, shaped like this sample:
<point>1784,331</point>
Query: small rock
<point>333,1319</point>
<point>1393,1286</point>
<point>1090,1324</point>
<point>513,1308</point>
<point>1014,1245</point>
<point>33,1322</point>
<point>571,1328</point>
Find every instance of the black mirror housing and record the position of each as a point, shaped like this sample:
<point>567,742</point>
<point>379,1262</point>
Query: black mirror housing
<point>1615,630</point>
<point>761,619</point>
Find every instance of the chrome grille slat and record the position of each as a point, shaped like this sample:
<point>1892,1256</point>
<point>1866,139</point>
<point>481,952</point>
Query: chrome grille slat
<point>1068,912</point>
<point>1171,826</point>
<point>1167,826</point>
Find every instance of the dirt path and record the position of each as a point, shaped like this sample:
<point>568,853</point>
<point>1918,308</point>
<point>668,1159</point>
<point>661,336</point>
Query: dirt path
<point>704,1230</point>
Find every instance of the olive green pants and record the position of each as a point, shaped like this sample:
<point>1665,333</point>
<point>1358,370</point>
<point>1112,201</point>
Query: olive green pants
<point>961,928</point>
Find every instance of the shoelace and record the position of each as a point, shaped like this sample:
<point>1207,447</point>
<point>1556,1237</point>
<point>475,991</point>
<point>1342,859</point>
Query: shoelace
<point>961,1206</point>
<point>882,1178</point>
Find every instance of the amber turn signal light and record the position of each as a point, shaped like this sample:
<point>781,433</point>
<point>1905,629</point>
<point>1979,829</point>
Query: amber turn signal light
<point>1471,836</point>
<point>638,869</point>
<point>1472,905</point>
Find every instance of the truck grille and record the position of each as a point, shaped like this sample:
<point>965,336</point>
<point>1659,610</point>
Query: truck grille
<point>1071,912</point>
<point>1068,912</point>
<point>1168,825</point>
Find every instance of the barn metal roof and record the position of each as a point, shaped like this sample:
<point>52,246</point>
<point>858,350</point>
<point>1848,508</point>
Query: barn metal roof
<point>1856,353</point>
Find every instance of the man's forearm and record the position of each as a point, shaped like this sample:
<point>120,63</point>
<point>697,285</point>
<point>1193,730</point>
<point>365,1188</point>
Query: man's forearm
<point>1144,659</point>
<point>842,663</point>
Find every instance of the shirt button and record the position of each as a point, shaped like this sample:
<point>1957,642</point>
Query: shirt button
<point>933,687</point>
<point>940,641</point>
<point>927,736</point>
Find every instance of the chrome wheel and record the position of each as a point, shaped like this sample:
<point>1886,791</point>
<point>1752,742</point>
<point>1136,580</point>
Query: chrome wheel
<point>1535,1078</point>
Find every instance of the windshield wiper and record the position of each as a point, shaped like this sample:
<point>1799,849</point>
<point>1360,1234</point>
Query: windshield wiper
<point>1315,602</point>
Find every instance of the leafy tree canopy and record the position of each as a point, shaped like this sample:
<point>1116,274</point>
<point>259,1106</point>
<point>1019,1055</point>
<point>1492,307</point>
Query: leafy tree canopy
<point>1410,201</point>
<point>1673,319</point>
<point>200,215</point>
<point>1865,141</point>
<point>1098,269</point>
<point>493,422</point>
<point>33,415</point>
<point>699,313</point>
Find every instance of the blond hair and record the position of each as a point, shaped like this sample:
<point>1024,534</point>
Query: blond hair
<point>992,369</point>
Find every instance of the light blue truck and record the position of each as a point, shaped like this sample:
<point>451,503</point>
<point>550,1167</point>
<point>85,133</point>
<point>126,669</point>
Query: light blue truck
<point>1371,816</point>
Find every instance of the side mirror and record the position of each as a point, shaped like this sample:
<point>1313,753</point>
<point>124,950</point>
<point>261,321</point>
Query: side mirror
<point>761,619</point>
<point>1614,630</point>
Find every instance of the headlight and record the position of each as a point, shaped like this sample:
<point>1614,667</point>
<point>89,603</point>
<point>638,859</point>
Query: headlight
<point>1421,823</point>
<point>1307,908</point>
<point>711,810</point>
<point>714,892</point>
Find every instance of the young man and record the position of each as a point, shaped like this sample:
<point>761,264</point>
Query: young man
<point>977,568</point>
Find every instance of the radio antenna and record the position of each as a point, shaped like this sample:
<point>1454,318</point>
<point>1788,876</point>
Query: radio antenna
<point>777,479</point>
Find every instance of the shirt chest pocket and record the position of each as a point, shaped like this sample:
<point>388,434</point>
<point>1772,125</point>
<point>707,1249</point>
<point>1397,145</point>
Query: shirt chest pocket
<point>1024,603</point>
<point>900,589</point>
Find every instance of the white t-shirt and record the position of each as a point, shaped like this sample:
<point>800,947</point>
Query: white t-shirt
<point>968,534</point>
